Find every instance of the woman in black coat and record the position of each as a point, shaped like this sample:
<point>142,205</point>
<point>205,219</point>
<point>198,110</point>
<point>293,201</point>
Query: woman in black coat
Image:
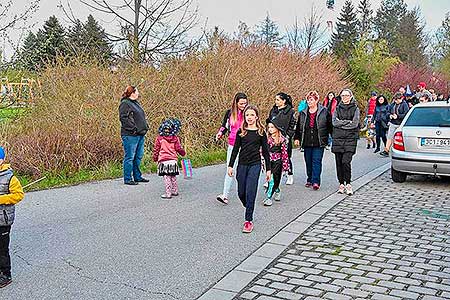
<point>283,112</point>
<point>380,119</point>
<point>345,138</point>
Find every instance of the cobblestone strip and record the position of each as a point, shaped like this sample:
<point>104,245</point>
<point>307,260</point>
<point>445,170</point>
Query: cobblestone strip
<point>265,273</point>
<point>388,241</point>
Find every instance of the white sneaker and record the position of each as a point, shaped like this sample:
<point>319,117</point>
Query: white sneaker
<point>349,189</point>
<point>341,189</point>
<point>266,184</point>
<point>277,196</point>
<point>290,180</point>
<point>267,202</point>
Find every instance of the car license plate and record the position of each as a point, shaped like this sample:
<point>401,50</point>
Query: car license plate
<point>429,142</point>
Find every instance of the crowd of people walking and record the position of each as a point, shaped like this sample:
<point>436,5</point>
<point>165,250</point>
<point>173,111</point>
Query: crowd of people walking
<point>314,127</point>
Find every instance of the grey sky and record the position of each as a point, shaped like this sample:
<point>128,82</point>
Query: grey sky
<point>227,13</point>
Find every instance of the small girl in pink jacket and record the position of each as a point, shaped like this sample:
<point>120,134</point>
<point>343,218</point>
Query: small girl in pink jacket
<point>167,146</point>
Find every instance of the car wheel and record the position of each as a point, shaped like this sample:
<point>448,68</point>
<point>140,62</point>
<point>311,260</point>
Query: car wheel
<point>398,176</point>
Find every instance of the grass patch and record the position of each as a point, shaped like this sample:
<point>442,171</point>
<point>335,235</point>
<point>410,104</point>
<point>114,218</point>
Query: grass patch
<point>11,113</point>
<point>114,170</point>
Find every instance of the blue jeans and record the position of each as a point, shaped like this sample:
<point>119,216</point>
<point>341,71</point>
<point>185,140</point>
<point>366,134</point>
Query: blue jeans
<point>313,160</point>
<point>247,179</point>
<point>133,147</point>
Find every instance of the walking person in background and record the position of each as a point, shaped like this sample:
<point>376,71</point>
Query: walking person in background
<point>330,102</point>
<point>283,112</point>
<point>231,123</point>
<point>279,160</point>
<point>345,138</point>
<point>312,131</point>
<point>380,119</point>
<point>11,193</point>
<point>167,146</point>
<point>397,111</point>
<point>133,129</point>
<point>250,140</point>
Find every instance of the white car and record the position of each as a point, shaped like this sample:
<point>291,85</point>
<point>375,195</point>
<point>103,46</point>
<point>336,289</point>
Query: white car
<point>422,142</point>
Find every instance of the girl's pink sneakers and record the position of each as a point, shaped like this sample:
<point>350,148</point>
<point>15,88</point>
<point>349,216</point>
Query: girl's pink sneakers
<point>248,227</point>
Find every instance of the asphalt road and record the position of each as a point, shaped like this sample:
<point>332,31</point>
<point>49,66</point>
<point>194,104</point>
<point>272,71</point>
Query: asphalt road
<point>105,240</point>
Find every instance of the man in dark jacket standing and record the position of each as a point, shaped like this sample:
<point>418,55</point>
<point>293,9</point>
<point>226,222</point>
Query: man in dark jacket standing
<point>396,113</point>
<point>133,129</point>
<point>345,138</point>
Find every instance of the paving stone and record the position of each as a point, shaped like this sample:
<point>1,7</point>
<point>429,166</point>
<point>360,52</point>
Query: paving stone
<point>404,294</point>
<point>282,286</point>
<point>248,295</point>
<point>308,291</point>
<point>408,281</point>
<point>262,282</point>
<point>368,268</point>
<point>289,295</point>
<point>327,287</point>
<point>215,294</point>
<point>422,290</point>
<point>310,270</point>
<point>335,275</point>
<point>316,278</point>
<point>275,277</point>
<point>384,297</point>
<point>379,276</point>
<point>344,283</point>
<point>391,284</point>
<point>355,293</point>
<point>374,288</point>
<point>292,274</point>
<point>301,282</point>
<point>362,279</point>
<point>262,290</point>
<point>336,296</point>
<point>351,271</point>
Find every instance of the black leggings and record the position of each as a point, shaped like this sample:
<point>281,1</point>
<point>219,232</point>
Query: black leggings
<point>289,150</point>
<point>381,134</point>
<point>274,184</point>
<point>344,167</point>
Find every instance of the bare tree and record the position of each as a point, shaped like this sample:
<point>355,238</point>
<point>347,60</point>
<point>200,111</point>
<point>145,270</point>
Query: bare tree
<point>10,19</point>
<point>309,36</point>
<point>150,28</point>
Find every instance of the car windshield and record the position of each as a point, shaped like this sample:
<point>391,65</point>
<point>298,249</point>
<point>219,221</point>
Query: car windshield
<point>429,116</point>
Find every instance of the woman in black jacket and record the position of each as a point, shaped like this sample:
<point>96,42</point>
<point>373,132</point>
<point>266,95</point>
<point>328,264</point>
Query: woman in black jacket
<point>283,112</point>
<point>380,119</point>
<point>313,127</point>
<point>133,129</point>
<point>345,138</point>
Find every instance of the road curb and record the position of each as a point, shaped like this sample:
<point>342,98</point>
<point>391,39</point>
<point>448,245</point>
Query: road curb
<point>231,284</point>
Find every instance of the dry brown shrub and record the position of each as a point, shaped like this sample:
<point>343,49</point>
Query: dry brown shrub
<point>74,124</point>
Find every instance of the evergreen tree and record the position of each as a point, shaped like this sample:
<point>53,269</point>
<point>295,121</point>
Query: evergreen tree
<point>29,56</point>
<point>54,43</point>
<point>365,20</point>
<point>96,41</point>
<point>387,22</point>
<point>268,32</point>
<point>410,43</point>
<point>345,37</point>
<point>75,38</point>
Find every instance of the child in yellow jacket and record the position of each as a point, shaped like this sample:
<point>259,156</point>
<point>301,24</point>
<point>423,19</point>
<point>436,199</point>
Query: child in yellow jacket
<point>11,193</point>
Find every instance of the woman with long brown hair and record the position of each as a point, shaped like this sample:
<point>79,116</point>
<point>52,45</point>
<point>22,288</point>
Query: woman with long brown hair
<point>232,121</point>
<point>133,129</point>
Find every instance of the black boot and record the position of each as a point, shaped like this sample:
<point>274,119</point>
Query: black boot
<point>4,280</point>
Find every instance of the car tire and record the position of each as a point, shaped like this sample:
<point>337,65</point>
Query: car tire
<point>398,176</point>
